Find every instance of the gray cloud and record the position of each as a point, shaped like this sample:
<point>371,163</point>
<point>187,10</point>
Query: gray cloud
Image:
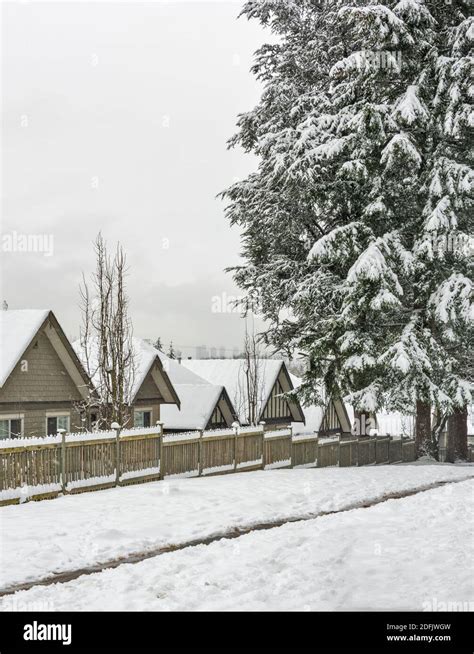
<point>116,118</point>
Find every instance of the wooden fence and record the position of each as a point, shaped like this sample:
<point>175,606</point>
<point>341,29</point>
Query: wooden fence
<point>40,468</point>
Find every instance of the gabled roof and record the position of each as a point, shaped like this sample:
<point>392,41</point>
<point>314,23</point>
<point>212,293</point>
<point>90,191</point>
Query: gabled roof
<point>230,373</point>
<point>146,356</point>
<point>198,398</point>
<point>314,413</point>
<point>197,404</point>
<point>19,328</point>
<point>145,359</point>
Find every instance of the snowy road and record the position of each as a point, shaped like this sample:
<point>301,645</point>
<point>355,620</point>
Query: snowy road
<point>43,538</point>
<point>414,553</point>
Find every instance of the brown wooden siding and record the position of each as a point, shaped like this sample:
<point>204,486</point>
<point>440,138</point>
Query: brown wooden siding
<point>277,407</point>
<point>149,390</point>
<point>330,423</point>
<point>44,379</point>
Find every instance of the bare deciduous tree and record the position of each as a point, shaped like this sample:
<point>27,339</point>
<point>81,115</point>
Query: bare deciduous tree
<point>250,388</point>
<point>106,335</point>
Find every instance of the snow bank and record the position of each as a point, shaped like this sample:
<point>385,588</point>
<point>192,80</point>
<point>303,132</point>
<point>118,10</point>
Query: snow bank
<point>91,481</point>
<point>25,492</point>
<point>40,538</point>
<point>133,474</point>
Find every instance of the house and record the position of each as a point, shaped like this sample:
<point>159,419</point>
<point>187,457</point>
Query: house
<point>203,405</point>
<point>271,380</point>
<point>151,387</point>
<point>329,420</point>
<point>42,382</point>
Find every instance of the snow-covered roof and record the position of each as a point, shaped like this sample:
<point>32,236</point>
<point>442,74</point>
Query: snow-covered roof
<point>18,327</point>
<point>180,374</point>
<point>198,397</point>
<point>145,356</point>
<point>197,404</point>
<point>230,373</point>
<point>313,414</point>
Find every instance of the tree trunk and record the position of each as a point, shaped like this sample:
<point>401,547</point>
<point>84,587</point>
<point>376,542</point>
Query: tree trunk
<point>423,443</point>
<point>457,435</point>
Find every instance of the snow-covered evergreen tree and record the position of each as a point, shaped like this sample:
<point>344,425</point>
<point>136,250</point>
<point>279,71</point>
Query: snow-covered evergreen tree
<point>365,175</point>
<point>171,352</point>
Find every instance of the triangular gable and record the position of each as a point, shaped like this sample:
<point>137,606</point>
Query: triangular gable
<point>163,382</point>
<point>224,408</point>
<point>18,331</point>
<point>318,416</point>
<point>283,407</point>
<point>336,417</point>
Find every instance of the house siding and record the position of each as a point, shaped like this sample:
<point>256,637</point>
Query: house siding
<point>148,397</point>
<point>34,415</point>
<point>44,380</point>
<point>148,390</point>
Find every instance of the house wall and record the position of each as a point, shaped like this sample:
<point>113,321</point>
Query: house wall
<point>39,384</point>
<point>39,377</point>
<point>148,397</point>
<point>34,415</point>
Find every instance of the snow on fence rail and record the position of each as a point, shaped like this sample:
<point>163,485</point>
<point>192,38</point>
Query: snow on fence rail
<point>69,463</point>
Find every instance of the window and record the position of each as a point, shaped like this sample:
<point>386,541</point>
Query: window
<point>53,423</point>
<point>11,427</point>
<point>142,418</point>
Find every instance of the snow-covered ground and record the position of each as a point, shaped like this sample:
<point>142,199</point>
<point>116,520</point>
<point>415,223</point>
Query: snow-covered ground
<point>414,553</point>
<point>41,538</point>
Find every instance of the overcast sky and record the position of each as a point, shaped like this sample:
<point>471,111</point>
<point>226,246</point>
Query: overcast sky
<point>116,117</point>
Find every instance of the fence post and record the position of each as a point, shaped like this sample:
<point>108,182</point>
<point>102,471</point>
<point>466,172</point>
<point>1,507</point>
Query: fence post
<point>317,447</point>
<point>160,425</point>
<point>62,433</point>
<point>235,427</point>
<point>291,445</point>
<point>117,428</point>
<point>200,462</point>
<point>264,462</point>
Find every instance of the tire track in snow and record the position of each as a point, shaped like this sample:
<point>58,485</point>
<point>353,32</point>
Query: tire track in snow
<point>237,532</point>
